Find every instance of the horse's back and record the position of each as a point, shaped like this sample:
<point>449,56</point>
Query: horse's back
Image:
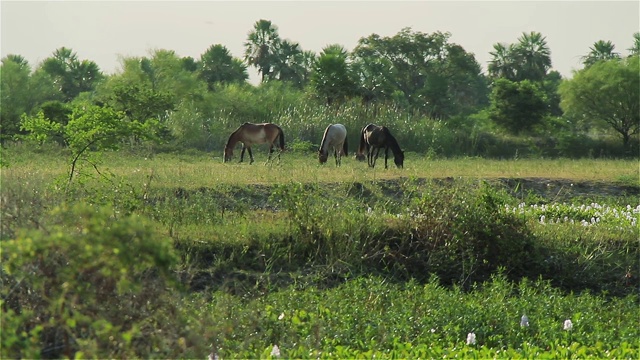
<point>335,134</point>
<point>339,130</point>
<point>251,133</point>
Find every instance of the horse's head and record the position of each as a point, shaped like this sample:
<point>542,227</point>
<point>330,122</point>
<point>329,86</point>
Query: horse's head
<point>361,157</point>
<point>399,159</point>
<point>323,156</point>
<point>228,154</point>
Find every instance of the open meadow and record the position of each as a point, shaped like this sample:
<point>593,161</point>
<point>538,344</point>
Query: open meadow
<point>184,256</point>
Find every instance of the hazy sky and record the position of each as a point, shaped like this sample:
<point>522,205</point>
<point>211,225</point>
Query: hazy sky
<point>104,31</point>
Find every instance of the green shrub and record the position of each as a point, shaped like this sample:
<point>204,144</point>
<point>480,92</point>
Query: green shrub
<point>90,285</point>
<point>461,234</point>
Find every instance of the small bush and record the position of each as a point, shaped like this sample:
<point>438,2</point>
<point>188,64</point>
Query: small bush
<point>88,285</point>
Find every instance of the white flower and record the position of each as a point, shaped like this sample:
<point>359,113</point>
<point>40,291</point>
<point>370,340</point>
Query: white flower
<point>275,352</point>
<point>568,325</point>
<point>281,316</point>
<point>471,338</point>
<point>213,356</point>
<point>524,321</point>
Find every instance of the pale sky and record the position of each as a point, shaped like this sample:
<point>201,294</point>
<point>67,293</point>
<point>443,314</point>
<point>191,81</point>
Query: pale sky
<point>104,31</point>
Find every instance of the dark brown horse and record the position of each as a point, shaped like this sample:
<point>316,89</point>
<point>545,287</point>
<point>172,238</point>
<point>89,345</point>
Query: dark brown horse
<point>249,134</point>
<point>372,139</point>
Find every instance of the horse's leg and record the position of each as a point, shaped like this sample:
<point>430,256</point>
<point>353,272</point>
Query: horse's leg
<point>336,155</point>
<point>250,155</point>
<point>242,153</point>
<point>386,155</point>
<point>271,150</point>
<point>376,157</point>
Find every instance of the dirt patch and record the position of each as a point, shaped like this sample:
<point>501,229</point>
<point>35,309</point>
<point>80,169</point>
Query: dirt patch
<point>564,190</point>
<point>530,190</point>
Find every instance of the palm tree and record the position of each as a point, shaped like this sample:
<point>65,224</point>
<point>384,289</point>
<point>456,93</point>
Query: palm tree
<point>331,76</point>
<point>335,49</point>
<point>532,56</point>
<point>502,65</point>
<point>635,49</point>
<point>600,51</point>
<point>18,59</point>
<point>71,75</point>
<point>289,63</point>
<point>260,48</point>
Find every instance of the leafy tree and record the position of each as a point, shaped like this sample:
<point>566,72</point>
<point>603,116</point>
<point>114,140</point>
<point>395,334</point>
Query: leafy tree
<point>331,77</point>
<point>424,71</point>
<point>189,64</point>
<point>466,86</point>
<point>151,87</point>
<point>261,46</point>
<point>90,130</point>
<point>165,69</point>
<point>550,86</point>
<point>635,49</point>
<point>606,92</point>
<point>58,113</point>
<point>14,92</point>
<point>600,51</point>
<point>517,106</point>
<point>72,76</point>
<point>218,66</point>
<point>139,103</point>
<point>373,73</point>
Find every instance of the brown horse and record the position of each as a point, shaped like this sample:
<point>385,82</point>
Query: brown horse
<point>249,134</point>
<point>372,139</point>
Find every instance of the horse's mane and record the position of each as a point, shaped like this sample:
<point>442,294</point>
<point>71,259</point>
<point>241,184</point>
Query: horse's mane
<point>324,137</point>
<point>233,134</point>
<point>392,140</point>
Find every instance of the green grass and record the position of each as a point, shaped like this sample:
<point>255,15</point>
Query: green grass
<point>346,262</point>
<point>207,170</point>
<point>372,317</point>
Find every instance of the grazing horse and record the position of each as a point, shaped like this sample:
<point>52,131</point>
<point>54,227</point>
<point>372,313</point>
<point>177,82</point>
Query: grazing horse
<point>335,137</point>
<point>372,139</point>
<point>249,134</point>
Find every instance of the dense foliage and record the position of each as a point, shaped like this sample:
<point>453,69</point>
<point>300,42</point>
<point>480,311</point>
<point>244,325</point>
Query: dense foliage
<point>427,80</point>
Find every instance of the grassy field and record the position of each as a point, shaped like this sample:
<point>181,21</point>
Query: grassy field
<point>183,256</point>
<point>207,170</point>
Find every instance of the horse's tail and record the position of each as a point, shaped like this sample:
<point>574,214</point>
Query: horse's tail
<point>281,136</point>
<point>362,146</point>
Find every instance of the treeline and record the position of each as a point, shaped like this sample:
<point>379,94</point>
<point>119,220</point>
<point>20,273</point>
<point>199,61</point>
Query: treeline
<point>431,90</point>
